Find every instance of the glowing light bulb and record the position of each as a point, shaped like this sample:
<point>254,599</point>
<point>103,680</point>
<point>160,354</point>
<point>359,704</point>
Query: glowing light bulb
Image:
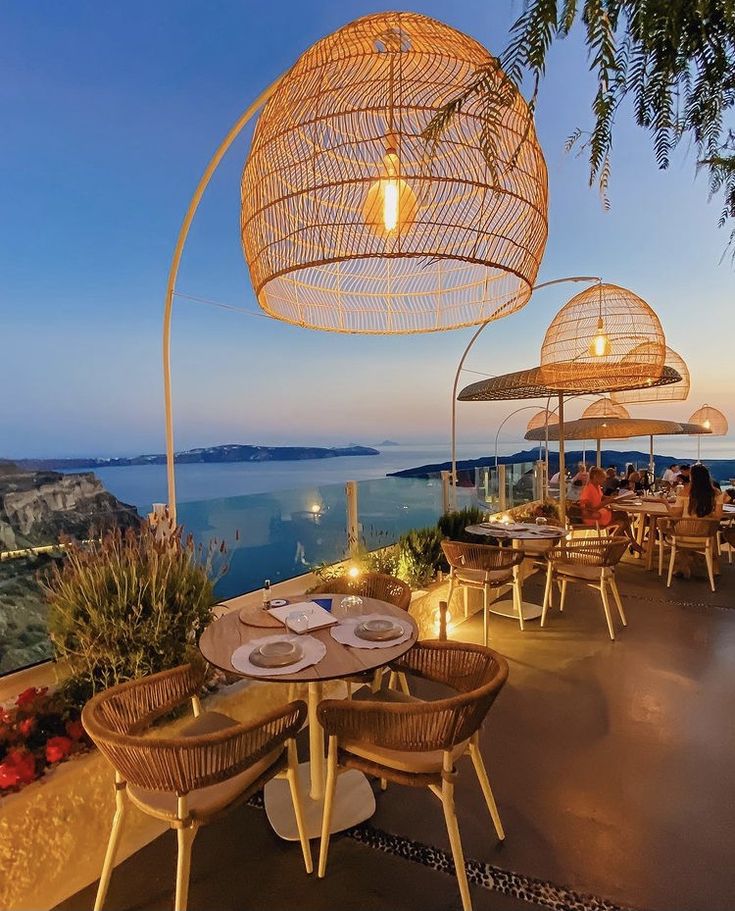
<point>316,508</point>
<point>600,344</point>
<point>707,424</point>
<point>353,572</point>
<point>390,205</point>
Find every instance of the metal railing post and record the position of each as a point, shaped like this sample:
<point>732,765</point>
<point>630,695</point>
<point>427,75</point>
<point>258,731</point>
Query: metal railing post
<point>353,524</point>
<point>502,499</point>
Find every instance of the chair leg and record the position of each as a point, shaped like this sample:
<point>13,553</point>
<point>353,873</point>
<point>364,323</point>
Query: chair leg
<point>328,801</point>
<point>606,608</point>
<point>450,818</point>
<point>185,836</point>
<point>661,556</point>
<point>709,559</point>
<point>618,600</point>
<point>518,594</point>
<point>466,593</point>
<point>377,680</point>
<point>562,597</point>
<point>451,589</point>
<point>481,773</point>
<point>484,614</point>
<point>293,784</point>
<point>672,560</point>
<point>403,683</point>
<point>547,593</point>
<point>112,844</point>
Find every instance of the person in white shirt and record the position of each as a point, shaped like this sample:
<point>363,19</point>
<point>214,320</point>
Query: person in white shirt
<point>669,476</point>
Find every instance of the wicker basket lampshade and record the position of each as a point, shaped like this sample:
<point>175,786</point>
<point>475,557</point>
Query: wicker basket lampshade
<point>542,419</point>
<point>353,221</point>
<point>591,339</point>
<point>605,408</point>
<point>713,420</point>
<point>674,392</point>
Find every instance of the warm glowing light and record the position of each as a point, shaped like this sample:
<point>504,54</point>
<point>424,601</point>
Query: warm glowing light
<point>707,424</point>
<point>316,508</point>
<point>353,572</point>
<point>390,205</point>
<point>600,344</point>
<point>505,519</point>
<point>438,619</point>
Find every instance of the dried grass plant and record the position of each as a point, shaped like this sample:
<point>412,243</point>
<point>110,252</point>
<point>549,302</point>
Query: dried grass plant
<point>129,603</point>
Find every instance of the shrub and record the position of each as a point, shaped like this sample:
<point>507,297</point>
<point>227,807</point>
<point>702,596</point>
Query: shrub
<point>419,556</point>
<point>128,604</point>
<point>452,524</point>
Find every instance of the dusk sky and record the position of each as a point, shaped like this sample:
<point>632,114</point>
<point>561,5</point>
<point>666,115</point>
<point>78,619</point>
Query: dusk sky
<point>110,113</point>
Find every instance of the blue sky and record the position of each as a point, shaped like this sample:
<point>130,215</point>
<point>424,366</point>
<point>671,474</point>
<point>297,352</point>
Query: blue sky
<point>110,114</point>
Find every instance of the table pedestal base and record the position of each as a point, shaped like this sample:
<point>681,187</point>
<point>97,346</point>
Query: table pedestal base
<point>506,608</point>
<point>354,802</point>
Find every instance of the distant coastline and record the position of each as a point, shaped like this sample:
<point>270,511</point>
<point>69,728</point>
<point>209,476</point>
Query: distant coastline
<point>230,452</point>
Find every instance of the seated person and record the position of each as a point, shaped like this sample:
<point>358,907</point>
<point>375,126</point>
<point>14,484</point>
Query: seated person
<point>684,475</point>
<point>595,511</point>
<point>700,499</point>
<point>729,495</point>
<point>633,482</point>
<point>612,482</point>
<point>669,476</point>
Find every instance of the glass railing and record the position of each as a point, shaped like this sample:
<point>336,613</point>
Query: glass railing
<point>508,485</point>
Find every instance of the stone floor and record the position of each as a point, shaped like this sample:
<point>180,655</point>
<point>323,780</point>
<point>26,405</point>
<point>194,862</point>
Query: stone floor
<point>612,763</point>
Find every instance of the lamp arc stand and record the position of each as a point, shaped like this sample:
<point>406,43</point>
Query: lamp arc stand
<point>173,272</point>
<point>460,366</point>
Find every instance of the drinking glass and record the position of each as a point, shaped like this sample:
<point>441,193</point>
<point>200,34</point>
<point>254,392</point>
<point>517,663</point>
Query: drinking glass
<point>351,606</point>
<point>298,621</point>
<point>542,520</point>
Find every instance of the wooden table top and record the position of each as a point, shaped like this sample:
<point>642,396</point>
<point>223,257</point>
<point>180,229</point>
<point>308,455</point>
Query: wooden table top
<point>651,507</point>
<point>518,531</point>
<point>220,639</point>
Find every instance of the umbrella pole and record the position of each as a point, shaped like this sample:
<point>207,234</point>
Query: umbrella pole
<point>699,448</point>
<point>651,462</point>
<point>562,466</point>
<point>599,454</point>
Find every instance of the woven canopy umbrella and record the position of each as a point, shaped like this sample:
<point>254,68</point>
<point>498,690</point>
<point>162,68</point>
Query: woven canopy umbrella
<point>620,429</point>
<point>529,384</point>
<point>604,408</point>
<point>674,392</point>
<point>712,420</point>
<point>353,222</point>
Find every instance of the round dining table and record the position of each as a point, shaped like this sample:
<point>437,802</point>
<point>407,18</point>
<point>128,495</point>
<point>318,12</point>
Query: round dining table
<point>354,800</point>
<point>520,534</point>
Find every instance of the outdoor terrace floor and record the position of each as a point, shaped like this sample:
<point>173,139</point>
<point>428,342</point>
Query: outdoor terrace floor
<point>612,764</point>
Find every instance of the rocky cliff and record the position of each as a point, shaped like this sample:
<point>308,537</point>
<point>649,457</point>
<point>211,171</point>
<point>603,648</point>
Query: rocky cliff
<point>37,507</point>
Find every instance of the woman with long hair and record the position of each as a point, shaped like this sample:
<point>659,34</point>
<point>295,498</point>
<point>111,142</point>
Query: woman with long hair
<point>700,499</point>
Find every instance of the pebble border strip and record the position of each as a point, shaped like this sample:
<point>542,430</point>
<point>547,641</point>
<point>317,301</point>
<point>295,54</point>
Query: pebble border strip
<point>525,888</point>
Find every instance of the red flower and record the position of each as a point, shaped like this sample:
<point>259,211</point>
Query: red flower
<point>57,748</point>
<point>30,695</point>
<point>19,767</point>
<point>26,726</point>
<point>75,729</point>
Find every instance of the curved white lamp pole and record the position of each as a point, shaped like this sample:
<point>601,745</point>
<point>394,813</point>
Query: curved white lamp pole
<point>460,365</point>
<point>173,273</point>
<point>507,418</point>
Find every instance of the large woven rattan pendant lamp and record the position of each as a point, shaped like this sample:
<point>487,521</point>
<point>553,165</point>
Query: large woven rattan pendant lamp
<point>352,222</point>
<point>673,392</point>
<point>712,420</point>
<point>590,341</point>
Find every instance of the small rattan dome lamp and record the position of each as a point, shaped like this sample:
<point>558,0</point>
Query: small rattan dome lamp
<point>673,392</point>
<point>605,408</point>
<point>590,340</point>
<point>352,221</point>
<point>543,418</point>
<point>711,419</point>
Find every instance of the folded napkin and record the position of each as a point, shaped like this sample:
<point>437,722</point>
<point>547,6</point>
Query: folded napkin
<point>314,651</point>
<point>345,632</point>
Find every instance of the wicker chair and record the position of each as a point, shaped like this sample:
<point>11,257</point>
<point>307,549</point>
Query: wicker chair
<point>192,777</point>
<point>692,535</point>
<point>484,567</point>
<point>400,738</point>
<point>591,562</point>
<point>383,588</point>
<point>371,585</point>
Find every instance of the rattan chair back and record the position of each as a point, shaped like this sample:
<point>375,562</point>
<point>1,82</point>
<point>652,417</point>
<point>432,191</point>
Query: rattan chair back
<point>476,672</point>
<point>116,719</point>
<point>371,585</point>
<point>691,528</point>
<point>602,552</point>
<point>485,557</point>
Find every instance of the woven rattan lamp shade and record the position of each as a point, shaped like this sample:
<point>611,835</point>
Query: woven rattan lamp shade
<point>605,408</point>
<point>543,419</point>
<point>676,392</point>
<point>590,340</point>
<point>611,429</point>
<point>351,222</point>
<point>710,419</point>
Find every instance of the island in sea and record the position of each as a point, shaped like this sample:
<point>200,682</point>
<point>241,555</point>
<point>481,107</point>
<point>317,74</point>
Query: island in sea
<point>229,452</point>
